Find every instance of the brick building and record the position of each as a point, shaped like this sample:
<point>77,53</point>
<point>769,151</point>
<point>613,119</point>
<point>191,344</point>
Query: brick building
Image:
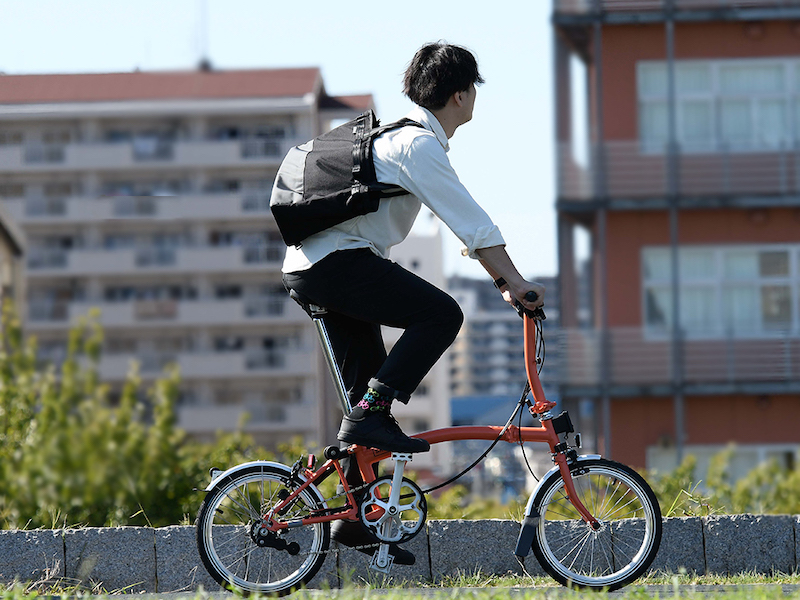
<point>688,182</point>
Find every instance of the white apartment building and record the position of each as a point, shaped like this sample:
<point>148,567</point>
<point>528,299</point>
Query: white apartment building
<point>146,195</point>
<point>429,407</point>
<point>488,358</point>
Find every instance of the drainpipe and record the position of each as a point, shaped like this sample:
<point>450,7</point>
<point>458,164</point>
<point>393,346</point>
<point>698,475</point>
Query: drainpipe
<point>601,193</point>
<point>673,190</point>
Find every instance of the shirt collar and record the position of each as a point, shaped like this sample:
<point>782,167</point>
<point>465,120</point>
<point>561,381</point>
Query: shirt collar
<point>427,119</point>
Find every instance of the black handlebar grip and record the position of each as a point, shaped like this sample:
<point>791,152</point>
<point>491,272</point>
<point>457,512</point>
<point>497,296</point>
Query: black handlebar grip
<point>536,313</point>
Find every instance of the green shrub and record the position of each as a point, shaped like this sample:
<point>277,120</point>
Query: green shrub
<point>70,457</point>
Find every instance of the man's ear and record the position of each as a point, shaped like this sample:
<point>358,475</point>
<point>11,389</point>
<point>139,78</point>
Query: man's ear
<point>458,98</point>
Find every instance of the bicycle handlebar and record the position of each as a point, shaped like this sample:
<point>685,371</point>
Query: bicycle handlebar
<point>537,313</point>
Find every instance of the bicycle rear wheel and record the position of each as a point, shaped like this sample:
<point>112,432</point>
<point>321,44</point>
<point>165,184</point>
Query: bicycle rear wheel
<point>238,555</point>
<point>630,527</point>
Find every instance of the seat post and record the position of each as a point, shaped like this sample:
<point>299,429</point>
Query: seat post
<point>316,312</point>
<point>330,359</point>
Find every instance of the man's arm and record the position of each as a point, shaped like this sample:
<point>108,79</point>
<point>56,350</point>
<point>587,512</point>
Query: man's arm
<point>498,264</point>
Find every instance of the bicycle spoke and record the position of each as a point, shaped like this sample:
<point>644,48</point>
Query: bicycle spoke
<point>624,544</point>
<point>238,555</point>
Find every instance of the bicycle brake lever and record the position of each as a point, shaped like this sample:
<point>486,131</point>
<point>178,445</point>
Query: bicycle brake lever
<point>536,313</point>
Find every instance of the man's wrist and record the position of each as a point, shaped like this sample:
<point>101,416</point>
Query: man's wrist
<point>499,283</point>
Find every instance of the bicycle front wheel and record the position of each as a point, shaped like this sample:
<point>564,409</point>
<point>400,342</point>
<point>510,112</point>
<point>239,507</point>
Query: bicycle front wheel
<point>238,555</point>
<point>630,526</point>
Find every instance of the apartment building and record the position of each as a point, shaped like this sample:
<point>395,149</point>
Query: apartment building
<point>146,195</point>
<point>689,185</point>
<point>429,407</point>
<point>487,357</point>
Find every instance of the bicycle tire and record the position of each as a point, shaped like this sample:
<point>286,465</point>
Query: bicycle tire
<point>625,545</point>
<point>227,543</point>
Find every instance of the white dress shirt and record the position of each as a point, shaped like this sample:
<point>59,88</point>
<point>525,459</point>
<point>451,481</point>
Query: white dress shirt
<point>415,159</point>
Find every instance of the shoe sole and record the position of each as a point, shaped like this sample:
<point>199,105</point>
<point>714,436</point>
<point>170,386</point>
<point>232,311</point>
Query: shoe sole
<point>354,439</point>
<point>406,562</point>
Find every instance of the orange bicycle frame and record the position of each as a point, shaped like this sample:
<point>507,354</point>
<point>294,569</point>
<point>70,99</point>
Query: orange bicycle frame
<point>367,457</point>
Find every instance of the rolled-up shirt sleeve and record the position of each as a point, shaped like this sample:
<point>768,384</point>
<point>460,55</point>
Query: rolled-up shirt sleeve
<point>425,171</point>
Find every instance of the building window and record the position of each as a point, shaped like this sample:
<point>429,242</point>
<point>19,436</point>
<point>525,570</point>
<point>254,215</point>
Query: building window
<point>724,290</point>
<point>12,190</point>
<point>722,105</point>
<point>10,138</point>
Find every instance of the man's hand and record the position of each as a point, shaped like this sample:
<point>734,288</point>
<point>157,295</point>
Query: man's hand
<point>499,266</point>
<point>518,292</point>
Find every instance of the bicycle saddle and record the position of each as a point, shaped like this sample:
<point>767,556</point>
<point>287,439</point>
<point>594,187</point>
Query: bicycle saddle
<point>308,305</point>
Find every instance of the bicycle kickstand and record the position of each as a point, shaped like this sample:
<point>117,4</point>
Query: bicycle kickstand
<point>382,561</point>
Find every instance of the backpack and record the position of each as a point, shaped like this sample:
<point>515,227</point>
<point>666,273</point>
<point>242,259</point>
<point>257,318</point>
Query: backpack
<point>330,179</point>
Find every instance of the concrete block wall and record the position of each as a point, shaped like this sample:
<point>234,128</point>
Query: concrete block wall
<point>140,559</point>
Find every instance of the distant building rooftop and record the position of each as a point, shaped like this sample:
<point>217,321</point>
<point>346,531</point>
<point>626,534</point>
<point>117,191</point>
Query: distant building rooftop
<point>166,85</point>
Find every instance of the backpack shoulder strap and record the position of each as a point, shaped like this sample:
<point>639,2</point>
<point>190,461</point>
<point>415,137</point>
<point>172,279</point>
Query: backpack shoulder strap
<point>363,167</point>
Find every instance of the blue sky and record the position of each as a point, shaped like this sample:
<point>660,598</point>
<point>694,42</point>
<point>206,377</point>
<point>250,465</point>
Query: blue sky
<point>504,156</point>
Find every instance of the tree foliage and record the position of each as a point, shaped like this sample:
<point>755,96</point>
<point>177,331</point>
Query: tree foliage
<point>69,456</point>
<point>766,489</point>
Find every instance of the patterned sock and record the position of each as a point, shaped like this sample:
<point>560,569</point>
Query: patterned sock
<point>372,402</point>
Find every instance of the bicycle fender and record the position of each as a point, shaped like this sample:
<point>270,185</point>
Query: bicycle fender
<point>265,463</point>
<point>531,520</point>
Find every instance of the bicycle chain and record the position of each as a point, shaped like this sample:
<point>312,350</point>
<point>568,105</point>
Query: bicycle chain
<point>342,495</point>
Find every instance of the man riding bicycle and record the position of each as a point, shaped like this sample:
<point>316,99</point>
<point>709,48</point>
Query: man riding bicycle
<point>346,268</point>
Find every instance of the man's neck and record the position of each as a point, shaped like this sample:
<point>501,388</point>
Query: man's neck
<point>448,120</point>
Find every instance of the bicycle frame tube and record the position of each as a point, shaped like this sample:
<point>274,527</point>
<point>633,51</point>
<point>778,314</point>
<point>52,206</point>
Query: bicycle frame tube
<point>367,457</point>
<point>311,478</point>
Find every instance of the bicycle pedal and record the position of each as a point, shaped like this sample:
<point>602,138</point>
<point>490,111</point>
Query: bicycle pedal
<point>382,561</point>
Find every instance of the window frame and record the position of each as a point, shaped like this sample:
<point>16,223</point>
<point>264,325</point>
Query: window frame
<point>790,96</point>
<point>721,327</point>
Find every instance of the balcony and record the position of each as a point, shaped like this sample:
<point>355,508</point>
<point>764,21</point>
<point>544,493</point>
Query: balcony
<point>199,419</point>
<point>635,171</point>
<point>191,259</point>
<point>612,6</point>
<point>194,207</point>
<point>132,155</point>
<point>640,365</point>
<point>168,313</point>
<point>250,363</point>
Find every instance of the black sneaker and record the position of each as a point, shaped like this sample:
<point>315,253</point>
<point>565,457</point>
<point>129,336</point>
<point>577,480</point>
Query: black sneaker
<point>379,430</point>
<point>353,534</point>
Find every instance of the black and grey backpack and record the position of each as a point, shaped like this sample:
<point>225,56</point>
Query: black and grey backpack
<point>330,179</point>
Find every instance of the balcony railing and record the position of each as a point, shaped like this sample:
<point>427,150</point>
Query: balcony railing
<point>636,360</point>
<point>587,6</point>
<point>60,314</point>
<point>102,261</point>
<point>133,155</point>
<point>204,365</point>
<point>190,206</point>
<point>45,153</point>
<point>635,170</point>
<point>53,207</point>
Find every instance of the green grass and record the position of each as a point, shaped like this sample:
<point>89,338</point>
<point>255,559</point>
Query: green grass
<point>477,586</point>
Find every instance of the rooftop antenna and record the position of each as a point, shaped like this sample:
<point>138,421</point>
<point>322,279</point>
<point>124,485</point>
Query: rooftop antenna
<point>204,64</point>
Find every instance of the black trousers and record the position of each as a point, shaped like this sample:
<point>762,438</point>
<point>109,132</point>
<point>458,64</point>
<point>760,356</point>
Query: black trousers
<point>363,291</point>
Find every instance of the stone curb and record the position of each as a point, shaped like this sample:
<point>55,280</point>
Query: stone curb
<point>142,559</point>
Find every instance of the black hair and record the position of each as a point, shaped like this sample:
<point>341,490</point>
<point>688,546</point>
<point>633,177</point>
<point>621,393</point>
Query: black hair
<point>437,71</point>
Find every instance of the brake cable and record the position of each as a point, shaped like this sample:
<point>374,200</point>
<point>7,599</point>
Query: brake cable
<point>523,401</point>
